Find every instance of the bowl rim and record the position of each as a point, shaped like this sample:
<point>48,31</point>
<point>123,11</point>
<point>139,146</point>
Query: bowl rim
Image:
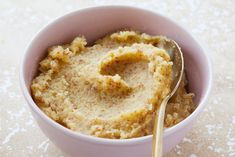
<point>105,141</point>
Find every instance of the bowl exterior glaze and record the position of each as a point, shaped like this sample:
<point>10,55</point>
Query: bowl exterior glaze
<point>94,23</point>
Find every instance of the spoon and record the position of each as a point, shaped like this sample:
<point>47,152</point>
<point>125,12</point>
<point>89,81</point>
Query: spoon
<point>176,55</point>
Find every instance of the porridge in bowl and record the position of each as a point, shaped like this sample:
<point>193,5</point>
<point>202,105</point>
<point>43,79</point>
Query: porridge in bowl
<point>111,89</point>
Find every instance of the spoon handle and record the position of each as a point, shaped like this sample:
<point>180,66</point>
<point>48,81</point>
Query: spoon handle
<point>158,129</point>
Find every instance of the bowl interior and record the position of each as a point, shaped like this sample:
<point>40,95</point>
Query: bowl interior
<point>97,22</point>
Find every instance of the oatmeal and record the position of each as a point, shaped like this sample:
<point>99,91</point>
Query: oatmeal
<point>111,89</point>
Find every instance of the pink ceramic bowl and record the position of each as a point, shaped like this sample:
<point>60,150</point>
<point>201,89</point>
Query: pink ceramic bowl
<point>94,23</point>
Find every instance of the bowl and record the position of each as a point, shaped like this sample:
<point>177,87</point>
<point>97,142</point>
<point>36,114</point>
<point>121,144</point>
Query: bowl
<point>94,23</point>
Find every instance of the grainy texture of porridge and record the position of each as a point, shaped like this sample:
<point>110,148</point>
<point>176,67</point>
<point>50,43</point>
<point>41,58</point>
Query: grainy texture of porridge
<point>111,89</point>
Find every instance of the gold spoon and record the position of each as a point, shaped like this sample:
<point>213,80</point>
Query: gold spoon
<point>176,55</point>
